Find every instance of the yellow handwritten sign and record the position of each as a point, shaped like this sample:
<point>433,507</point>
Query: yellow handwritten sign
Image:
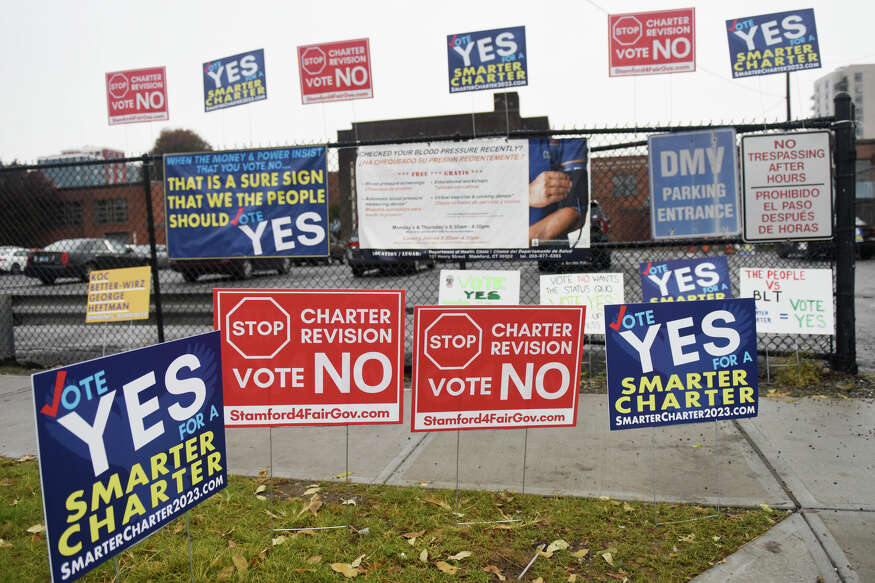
<point>118,294</point>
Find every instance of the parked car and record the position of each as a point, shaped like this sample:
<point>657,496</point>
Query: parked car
<point>596,258</point>
<point>146,252</point>
<point>864,237</point>
<point>362,260</point>
<point>12,259</point>
<point>237,267</point>
<point>77,258</point>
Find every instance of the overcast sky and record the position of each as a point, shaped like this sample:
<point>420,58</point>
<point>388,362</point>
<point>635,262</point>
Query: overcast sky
<point>56,54</point>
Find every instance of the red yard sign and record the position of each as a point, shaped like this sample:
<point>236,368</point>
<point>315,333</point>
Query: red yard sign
<point>489,367</point>
<point>311,357</point>
<point>337,71</point>
<point>646,43</point>
<point>137,95</point>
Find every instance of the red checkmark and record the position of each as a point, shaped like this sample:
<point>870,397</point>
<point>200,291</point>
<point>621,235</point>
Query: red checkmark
<point>56,399</point>
<point>616,325</point>
<point>237,218</point>
<point>647,270</point>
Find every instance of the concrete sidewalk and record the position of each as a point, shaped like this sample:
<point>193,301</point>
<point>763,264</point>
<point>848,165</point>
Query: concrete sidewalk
<point>813,455</point>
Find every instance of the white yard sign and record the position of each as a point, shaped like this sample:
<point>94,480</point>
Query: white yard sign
<point>593,290</point>
<point>469,288</point>
<point>787,186</point>
<point>790,301</point>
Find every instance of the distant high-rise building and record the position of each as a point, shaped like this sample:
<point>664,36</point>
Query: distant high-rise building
<point>859,82</point>
<point>90,175</point>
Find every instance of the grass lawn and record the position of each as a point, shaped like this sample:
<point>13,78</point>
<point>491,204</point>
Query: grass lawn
<point>395,535</point>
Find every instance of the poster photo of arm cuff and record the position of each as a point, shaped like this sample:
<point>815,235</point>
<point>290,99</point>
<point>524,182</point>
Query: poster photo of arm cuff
<point>558,190</point>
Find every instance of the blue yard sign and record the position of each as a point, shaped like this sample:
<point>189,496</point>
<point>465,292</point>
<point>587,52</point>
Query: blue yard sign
<point>694,184</point>
<point>234,80</point>
<point>780,42</point>
<point>487,59</point>
<point>127,443</point>
<point>686,280</point>
<point>247,203</point>
<point>681,362</point>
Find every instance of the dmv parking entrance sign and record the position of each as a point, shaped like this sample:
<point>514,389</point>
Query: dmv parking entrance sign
<point>694,185</point>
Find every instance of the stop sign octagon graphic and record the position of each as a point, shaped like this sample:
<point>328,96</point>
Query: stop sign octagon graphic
<point>257,327</point>
<point>453,341</point>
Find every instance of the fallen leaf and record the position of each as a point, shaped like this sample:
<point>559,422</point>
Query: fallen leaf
<point>7,482</point>
<point>446,567</point>
<point>262,473</point>
<point>422,484</point>
<point>36,529</point>
<point>311,490</point>
<point>689,538</point>
<point>697,445</point>
<point>260,489</point>
<point>495,571</point>
<point>357,562</point>
<point>348,571</point>
<point>627,507</point>
<point>14,502</point>
<point>240,562</point>
<point>225,573</point>
<point>261,497</point>
<point>715,538</point>
<point>5,544</point>
<point>432,499</point>
<point>580,554</point>
<point>545,554</point>
<point>538,580</point>
<point>609,559</point>
<point>278,540</point>
<point>572,577</point>
<point>271,514</point>
<point>411,541</point>
<point>460,555</point>
<point>343,475</point>
<point>604,497</point>
<point>314,505</point>
<point>416,534</point>
<point>307,531</point>
<point>26,458</point>
<point>766,507</point>
<point>557,545</point>
<point>178,528</point>
<point>350,502</point>
<point>314,559</point>
<point>423,556</point>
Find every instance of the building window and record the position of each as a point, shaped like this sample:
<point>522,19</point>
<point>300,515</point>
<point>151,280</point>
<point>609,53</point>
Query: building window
<point>109,211</point>
<point>624,184</point>
<point>865,179</point>
<point>858,77</point>
<point>66,214</point>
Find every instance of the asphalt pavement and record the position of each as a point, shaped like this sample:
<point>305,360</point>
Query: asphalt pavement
<point>813,456</point>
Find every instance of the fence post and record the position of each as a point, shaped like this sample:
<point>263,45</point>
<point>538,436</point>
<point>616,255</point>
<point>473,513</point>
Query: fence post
<point>844,156</point>
<point>150,227</point>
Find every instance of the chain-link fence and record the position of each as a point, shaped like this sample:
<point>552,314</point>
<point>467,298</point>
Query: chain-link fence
<point>63,219</point>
